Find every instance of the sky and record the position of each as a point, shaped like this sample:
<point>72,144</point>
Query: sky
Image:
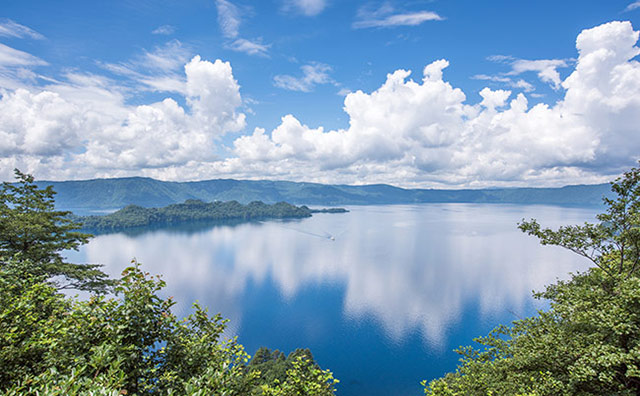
<point>428,94</point>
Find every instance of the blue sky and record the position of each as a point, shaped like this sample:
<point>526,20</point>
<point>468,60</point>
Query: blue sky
<point>319,90</point>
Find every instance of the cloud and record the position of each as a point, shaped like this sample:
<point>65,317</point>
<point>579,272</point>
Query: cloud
<point>546,68</point>
<point>16,68</point>
<point>249,47</point>
<point>229,19</point>
<point>421,131</point>
<point>519,84</point>
<point>13,57</point>
<point>9,28</point>
<point>165,134</point>
<point>312,74</point>
<point>164,30</point>
<point>387,16</point>
<point>156,70</point>
<point>169,57</point>
<point>633,6</point>
<point>43,124</point>
<point>305,7</point>
<point>82,126</point>
<point>425,133</point>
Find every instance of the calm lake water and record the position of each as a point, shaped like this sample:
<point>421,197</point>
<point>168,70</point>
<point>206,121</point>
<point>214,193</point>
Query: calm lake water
<point>381,295</point>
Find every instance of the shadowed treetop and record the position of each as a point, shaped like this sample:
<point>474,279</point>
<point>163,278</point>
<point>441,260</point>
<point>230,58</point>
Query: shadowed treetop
<point>34,234</point>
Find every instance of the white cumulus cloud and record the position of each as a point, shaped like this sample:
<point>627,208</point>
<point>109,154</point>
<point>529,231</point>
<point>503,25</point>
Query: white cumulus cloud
<point>425,132</point>
<point>84,126</point>
<point>413,130</point>
<point>165,134</point>
<point>41,124</point>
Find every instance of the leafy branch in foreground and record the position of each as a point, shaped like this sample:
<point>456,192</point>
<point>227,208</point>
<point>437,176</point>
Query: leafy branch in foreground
<point>34,233</point>
<point>588,341</point>
<point>613,244</point>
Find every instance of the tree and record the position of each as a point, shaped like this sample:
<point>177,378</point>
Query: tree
<point>127,345</point>
<point>588,341</point>
<point>613,244</point>
<point>303,379</point>
<point>34,233</point>
<point>274,366</point>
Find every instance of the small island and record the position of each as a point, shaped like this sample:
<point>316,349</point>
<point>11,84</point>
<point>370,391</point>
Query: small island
<point>193,210</point>
<point>329,210</point>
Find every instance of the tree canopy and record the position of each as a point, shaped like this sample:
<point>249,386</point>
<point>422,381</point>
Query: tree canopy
<point>34,233</point>
<point>131,344</point>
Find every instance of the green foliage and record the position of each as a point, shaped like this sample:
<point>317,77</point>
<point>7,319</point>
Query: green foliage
<point>588,342</point>
<point>132,343</point>
<point>273,366</point>
<point>33,232</point>
<point>54,345</point>
<point>270,365</point>
<point>304,378</point>
<point>192,211</point>
<point>51,344</point>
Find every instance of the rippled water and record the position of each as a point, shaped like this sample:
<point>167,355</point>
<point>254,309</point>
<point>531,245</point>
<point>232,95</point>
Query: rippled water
<point>381,295</point>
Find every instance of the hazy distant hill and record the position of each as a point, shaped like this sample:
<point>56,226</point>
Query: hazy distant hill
<point>109,194</point>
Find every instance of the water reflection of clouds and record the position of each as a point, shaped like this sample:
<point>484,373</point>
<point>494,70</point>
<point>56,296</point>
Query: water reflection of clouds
<point>410,267</point>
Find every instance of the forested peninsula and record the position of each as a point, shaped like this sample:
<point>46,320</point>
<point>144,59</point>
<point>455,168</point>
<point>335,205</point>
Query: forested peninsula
<point>193,210</point>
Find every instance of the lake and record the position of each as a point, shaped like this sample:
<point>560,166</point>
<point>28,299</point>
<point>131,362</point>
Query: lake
<point>381,295</point>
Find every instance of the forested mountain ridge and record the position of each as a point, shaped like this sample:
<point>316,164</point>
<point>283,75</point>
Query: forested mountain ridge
<point>110,194</point>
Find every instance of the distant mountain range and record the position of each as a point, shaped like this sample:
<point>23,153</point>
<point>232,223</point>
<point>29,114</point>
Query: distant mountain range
<point>85,196</point>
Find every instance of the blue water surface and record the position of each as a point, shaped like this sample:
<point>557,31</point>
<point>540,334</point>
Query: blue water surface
<point>381,295</point>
